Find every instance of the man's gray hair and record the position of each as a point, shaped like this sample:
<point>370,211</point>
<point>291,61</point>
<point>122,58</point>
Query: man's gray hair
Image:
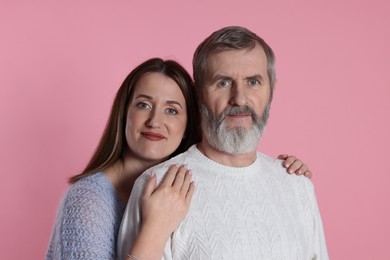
<point>230,38</point>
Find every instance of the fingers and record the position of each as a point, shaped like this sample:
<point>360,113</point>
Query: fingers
<point>169,202</point>
<point>293,168</point>
<point>185,185</point>
<point>170,176</point>
<point>190,193</point>
<point>301,168</point>
<point>308,174</point>
<point>294,165</point>
<point>181,179</point>
<point>150,186</point>
<point>282,156</point>
<point>177,178</point>
<point>289,161</point>
<point>297,167</point>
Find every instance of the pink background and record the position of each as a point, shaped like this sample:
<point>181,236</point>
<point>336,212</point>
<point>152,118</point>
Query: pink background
<point>61,64</point>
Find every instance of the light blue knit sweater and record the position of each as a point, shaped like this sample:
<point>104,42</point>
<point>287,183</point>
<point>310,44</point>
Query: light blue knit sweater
<point>88,221</point>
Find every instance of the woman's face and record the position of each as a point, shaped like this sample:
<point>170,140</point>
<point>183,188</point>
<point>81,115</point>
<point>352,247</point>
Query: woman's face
<point>156,118</point>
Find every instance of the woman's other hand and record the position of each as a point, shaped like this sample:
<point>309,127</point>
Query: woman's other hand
<point>294,165</point>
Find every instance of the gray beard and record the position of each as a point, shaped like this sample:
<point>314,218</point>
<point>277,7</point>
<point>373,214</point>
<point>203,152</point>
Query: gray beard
<point>237,140</point>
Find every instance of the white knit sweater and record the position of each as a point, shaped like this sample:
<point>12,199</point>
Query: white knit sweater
<point>254,212</point>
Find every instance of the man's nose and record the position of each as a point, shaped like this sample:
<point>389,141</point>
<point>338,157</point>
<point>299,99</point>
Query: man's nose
<point>238,95</point>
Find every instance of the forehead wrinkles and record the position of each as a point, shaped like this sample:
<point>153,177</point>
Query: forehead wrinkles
<point>244,63</point>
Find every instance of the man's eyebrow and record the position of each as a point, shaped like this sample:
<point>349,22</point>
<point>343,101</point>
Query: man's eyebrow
<point>219,77</point>
<point>170,102</point>
<point>256,76</point>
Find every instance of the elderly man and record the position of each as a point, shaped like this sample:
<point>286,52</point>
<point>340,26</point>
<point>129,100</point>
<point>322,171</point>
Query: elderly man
<point>245,206</point>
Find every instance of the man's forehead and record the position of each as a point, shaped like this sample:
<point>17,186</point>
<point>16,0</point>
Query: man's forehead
<point>245,61</point>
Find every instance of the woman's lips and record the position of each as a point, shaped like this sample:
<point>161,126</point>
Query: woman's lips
<point>153,136</point>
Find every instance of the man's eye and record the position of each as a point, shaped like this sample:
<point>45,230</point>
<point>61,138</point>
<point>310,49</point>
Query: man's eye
<point>223,83</point>
<point>143,105</point>
<point>253,82</point>
<point>171,111</point>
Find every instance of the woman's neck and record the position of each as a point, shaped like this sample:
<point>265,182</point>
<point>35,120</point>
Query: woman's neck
<point>123,174</point>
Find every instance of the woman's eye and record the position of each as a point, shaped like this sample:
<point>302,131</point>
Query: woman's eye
<point>143,105</point>
<point>171,111</point>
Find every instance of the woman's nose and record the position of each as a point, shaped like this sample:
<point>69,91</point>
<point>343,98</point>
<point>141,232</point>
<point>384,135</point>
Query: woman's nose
<point>154,120</point>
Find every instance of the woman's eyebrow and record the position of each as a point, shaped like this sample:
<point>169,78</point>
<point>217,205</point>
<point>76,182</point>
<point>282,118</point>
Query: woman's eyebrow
<point>170,102</point>
<point>173,102</point>
<point>144,96</point>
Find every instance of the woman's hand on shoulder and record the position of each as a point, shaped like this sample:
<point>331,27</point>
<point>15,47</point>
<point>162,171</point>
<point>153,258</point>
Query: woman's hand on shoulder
<point>294,165</point>
<point>165,207</point>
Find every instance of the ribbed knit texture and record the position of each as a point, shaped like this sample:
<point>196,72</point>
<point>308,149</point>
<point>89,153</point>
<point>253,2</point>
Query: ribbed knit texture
<point>254,212</point>
<point>88,221</point>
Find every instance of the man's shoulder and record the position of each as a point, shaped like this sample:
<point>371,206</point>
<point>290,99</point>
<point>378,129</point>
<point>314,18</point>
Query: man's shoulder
<point>270,162</point>
<point>160,169</point>
<point>276,168</point>
<point>178,159</point>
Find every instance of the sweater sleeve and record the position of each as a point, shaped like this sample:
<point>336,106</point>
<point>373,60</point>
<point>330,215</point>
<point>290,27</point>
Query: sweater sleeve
<point>84,226</point>
<point>131,222</point>
<point>318,235</point>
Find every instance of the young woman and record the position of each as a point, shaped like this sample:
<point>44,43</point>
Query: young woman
<point>154,117</point>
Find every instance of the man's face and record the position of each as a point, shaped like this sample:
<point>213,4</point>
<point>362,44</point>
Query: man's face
<point>235,100</point>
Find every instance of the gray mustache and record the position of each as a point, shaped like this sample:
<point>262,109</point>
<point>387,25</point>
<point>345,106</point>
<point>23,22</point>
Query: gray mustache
<point>239,110</point>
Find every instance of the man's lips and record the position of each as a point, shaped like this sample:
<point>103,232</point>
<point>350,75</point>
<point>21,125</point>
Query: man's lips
<point>153,136</point>
<point>239,115</point>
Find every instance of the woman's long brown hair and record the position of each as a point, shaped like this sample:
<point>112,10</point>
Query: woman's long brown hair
<point>112,145</point>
